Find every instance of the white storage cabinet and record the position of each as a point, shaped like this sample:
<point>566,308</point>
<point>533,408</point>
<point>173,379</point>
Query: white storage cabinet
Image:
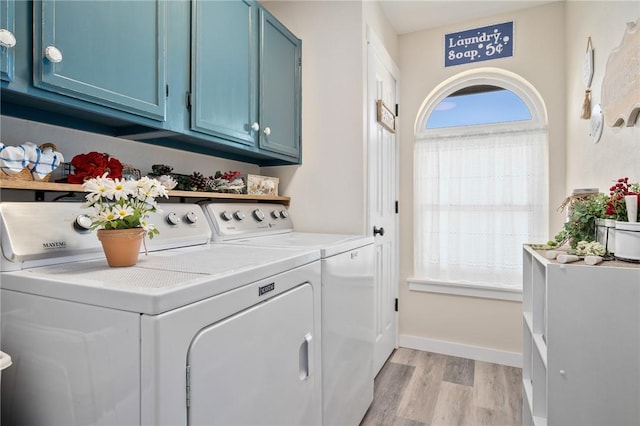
<point>581,342</point>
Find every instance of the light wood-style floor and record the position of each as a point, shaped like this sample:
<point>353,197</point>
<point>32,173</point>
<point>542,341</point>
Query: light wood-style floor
<point>416,388</point>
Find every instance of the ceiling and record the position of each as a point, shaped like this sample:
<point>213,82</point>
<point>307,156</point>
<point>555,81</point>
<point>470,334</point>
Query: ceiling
<point>407,16</point>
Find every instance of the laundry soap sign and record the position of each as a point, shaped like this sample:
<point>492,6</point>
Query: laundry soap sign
<point>478,44</point>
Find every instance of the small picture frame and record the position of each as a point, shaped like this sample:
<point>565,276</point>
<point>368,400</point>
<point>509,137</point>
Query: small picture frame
<point>262,185</point>
<point>386,116</point>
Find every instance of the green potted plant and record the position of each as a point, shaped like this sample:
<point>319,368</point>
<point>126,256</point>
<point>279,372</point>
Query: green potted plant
<point>581,226</point>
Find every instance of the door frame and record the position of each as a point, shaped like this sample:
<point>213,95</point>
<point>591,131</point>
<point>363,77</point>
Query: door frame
<point>374,44</point>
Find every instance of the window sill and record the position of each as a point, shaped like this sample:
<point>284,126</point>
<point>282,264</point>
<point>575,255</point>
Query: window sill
<point>485,291</point>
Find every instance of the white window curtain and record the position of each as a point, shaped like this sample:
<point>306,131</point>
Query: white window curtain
<point>478,197</point>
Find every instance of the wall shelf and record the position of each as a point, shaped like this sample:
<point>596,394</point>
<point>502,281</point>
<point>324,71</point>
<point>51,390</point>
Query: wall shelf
<point>66,187</point>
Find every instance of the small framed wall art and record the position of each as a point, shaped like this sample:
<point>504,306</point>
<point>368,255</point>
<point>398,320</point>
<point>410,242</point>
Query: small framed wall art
<point>386,116</point>
<point>262,185</point>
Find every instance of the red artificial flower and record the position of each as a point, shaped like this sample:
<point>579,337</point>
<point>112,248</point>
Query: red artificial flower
<point>616,207</point>
<point>94,164</point>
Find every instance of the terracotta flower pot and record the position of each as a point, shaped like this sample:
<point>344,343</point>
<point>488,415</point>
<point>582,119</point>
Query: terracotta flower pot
<point>121,246</point>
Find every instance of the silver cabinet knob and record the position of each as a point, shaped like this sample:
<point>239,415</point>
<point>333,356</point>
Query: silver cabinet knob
<point>255,127</point>
<point>7,39</point>
<point>53,54</point>
<point>267,131</point>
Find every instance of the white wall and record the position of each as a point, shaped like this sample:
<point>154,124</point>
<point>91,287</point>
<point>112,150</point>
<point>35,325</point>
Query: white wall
<point>551,59</point>
<point>539,59</point>
<point>14,131</point>
<point>617,154</point>
<point>327,190</point>
<point>374,17</point>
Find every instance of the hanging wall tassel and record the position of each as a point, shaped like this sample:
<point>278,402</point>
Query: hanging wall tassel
<point>587,76</point>
<point>586,105</point>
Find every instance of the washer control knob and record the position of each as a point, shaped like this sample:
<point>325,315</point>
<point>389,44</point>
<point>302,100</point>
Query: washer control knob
<point>226,216</point>
<point>257,213</point>
<point>82,223</point>
<point>284,213</point>
<point>191,217</point>
<point>239,215</point>
<point>275,214</point>
<point>173,218</point>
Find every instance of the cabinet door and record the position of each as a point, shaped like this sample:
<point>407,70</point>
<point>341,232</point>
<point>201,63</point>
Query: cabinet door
<point>7,23</point>
<point>224,69</point>
<point>110,53</point>
<point>593,345</point>
<point>280,109</point>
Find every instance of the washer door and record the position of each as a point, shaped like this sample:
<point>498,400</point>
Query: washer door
<point>257,366</point>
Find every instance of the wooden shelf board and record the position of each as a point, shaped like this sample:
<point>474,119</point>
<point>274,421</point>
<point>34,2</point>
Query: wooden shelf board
<point>67,187</point>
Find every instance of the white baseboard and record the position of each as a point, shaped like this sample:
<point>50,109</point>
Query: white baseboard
<point>478,353</point>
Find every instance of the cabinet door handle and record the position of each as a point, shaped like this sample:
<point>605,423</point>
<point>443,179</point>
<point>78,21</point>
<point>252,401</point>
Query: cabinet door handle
<point>53,54</point>
<point>267,131</point>
<point>7,39</point>
<point>255,127</point>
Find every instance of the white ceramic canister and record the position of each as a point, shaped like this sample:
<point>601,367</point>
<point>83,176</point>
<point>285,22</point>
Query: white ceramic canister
<point>606,234</point>
<point>628,240</point>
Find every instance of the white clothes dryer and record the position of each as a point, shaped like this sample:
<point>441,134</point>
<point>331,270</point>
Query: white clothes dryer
<point>194,334</point>
<point>347,298</point>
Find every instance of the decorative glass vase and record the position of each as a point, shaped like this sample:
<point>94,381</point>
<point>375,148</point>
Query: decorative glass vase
<point>121,246</point>
<point>606,234</point>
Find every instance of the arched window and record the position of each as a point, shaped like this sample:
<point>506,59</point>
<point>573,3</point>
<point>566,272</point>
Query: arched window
<point>481,181</point>
<point>478,104</point>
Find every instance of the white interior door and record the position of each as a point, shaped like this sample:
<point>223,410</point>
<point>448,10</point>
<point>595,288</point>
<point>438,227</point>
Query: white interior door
<point>383,188</point>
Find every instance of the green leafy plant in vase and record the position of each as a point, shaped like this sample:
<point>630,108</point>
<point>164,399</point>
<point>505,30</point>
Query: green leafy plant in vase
<point>581,226</point>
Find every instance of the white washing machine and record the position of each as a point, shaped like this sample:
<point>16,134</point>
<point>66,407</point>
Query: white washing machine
<point>194,334</point>
<point>347,298</point>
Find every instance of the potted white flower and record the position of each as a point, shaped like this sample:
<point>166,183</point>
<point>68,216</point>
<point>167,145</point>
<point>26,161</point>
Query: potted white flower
<point>119,212</point>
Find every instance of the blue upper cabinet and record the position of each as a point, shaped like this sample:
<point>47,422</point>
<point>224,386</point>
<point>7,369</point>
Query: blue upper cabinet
<point>280,80</point>
<point>123,68</point>
<point>7,39</point>
<point>109,53</point>
<point>224,69</point>
<point>245,78</point>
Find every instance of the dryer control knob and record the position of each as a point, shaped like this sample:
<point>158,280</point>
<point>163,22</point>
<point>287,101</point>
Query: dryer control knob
<point>275,214</point>
<point>239,215</point>
<point>257,213</point>
<point>191,217</point>
<point>226,216</point>
<point>284,213</point>
<point>173,218</point>
<point>82,223</point>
